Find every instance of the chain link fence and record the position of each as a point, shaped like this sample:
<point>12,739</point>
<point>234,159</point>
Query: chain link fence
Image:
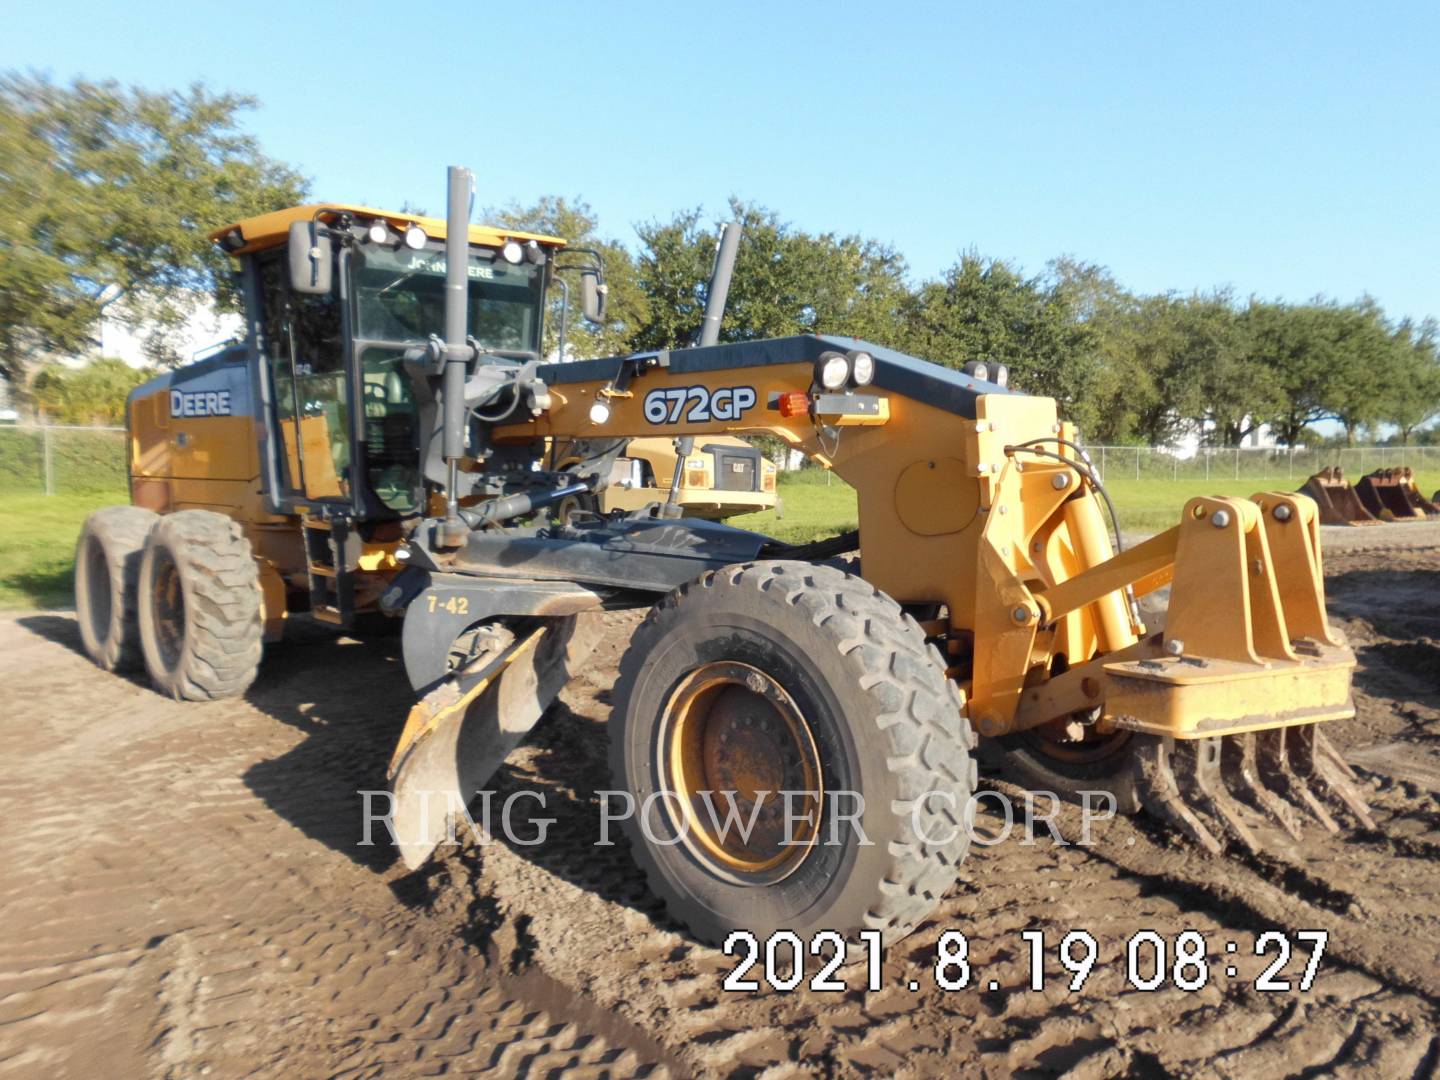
<point>1255,463</point>
<point>55,459</point>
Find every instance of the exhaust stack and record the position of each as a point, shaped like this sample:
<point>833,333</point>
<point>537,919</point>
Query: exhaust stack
<point>457,352</point>
<point>716,293</point>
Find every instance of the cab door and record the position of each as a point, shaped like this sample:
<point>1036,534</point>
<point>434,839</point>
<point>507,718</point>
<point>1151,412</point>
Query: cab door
<point>309,390</point>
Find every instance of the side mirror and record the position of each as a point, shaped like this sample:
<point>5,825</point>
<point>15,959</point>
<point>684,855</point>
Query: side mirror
<point>311,258</point>
<point>592,296</point>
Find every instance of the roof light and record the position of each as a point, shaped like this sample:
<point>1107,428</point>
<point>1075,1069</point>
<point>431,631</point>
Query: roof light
<point>415,237</point>
<point>862,368</point>
<point>832,369</point>
<point>512,252</point>
<point>379,232</point>
<point>534,254</point>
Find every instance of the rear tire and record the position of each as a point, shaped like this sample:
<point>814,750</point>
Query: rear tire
<point>879,717</point>
<point>1029,760</point>
<point>200,608</point>
<point>107,567</point>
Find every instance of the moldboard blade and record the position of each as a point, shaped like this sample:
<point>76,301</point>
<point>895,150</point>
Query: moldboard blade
<point>471,723</point>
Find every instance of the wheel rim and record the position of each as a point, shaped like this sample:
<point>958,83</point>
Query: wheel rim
<point>730,727</point>
<point>95,587</point>
<point>168,603</point>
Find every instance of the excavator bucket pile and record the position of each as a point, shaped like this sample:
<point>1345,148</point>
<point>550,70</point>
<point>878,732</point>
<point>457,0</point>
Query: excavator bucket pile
<point>1406,482</point>
<point>1417,500</point>
<point>1337,500</point>
<point>1231,774</point>
<point>1391,494</point>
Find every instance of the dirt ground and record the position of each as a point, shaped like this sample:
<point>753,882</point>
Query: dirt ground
<point>184,895</point>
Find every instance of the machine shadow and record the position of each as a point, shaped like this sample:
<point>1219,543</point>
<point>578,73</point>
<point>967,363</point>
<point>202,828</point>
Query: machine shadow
<point>61,629</point>
<point>349,698</point>
<point>64,630</point>
<point>555,823</point>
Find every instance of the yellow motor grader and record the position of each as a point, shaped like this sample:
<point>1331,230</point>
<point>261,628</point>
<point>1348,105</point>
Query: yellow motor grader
<point>388,441</point>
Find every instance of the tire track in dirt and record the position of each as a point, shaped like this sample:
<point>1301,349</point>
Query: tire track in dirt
<point>185,891</point>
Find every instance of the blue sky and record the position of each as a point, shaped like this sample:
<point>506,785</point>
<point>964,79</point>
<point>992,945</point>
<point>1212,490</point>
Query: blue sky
<point>1284,149</point>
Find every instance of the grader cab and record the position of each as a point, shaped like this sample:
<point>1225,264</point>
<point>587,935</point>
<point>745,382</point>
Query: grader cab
<point>387,443</point>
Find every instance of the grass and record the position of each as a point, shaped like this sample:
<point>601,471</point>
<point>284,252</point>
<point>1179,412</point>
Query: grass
<point>813,508</point>
<point>37,547</point>
<point>814,503</point>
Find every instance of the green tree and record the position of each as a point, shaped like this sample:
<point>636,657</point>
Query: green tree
<point>92,394</point>
<point>1123,393</point>
<point>1412,397</point>
<point>1210,374</point>
<point>107,196</point>
<point>986,309</point>
<point>1329,362</point>
<point>627,306</point>
<point>786,281</point>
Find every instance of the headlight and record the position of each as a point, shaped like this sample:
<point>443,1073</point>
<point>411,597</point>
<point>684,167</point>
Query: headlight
<point>832,369</point>
<point>415,238</point>
<point>862,368</point>
<point>512,252</point>
<point>599,412</point>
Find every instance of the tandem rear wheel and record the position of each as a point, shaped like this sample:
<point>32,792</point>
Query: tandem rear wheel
<point>199,606</point>
<point>107,569</point>
<point>770,678</point>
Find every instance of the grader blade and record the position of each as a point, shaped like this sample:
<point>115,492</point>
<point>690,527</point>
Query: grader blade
<point>461,732</point>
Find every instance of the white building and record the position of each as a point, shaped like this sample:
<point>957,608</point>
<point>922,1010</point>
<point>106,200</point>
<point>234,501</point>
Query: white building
<point>202,331</point>
<point>1187,444</point>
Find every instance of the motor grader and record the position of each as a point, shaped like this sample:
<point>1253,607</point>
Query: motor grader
<point>387,440</point>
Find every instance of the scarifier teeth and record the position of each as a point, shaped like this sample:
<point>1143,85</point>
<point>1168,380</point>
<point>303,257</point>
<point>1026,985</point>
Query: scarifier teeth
<point>1197,765</point>
<point>1160,794</point>
<point>1320,763</point>
<point>1202,786</point>
<point>1241,765</point>
<point>1279,774</point>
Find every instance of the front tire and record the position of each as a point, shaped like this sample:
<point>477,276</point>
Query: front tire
<point>200,607</point>
<point>107,567</point>
<point>790,676</point>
